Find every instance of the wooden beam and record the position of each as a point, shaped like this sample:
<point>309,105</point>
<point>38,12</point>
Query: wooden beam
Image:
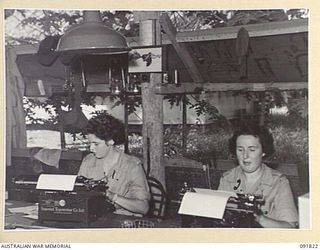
<point>65,154</point>
<point>180,48</point>
<point>146,15</point>
<point>193,88</point>
<point>25,49</point>
<point>97,88</point>
<point>255,30</point>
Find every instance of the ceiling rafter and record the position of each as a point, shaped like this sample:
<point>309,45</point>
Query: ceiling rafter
<point>181,49</point>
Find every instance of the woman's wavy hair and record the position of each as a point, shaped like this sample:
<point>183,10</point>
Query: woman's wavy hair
<point>106,127</point>
<point>261,132</point>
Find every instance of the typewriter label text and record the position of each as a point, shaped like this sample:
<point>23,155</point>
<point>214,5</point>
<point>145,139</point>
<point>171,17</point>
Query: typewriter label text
<point>63,210</point>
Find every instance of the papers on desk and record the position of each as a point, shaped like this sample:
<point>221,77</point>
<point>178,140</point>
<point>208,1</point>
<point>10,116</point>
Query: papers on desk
<point>31,216</point>
<point>56,182</point>
<point>304,211</point>
<point>205,203</point>
<point>29,211</point>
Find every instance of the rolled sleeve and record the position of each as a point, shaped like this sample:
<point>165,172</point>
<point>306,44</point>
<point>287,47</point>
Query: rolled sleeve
<point>284,206</point>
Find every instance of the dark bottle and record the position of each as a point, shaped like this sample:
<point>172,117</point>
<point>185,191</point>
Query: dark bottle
<point>185,188</point>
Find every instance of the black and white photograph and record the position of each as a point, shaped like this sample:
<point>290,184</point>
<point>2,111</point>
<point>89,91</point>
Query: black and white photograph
<point>172,119</point>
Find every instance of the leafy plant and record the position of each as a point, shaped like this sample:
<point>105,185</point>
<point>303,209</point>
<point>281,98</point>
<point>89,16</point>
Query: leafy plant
<point>198,20</point>
<point>43,23</point>
<point>30,106</point>
<point>291,145</point>
<point>202,142</point>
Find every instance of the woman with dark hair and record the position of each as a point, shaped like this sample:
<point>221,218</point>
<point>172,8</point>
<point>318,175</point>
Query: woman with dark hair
<point>128,188</point>
<point>250,144</point>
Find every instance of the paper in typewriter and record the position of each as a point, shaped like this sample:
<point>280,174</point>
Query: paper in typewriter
<point>56,182</point>
<point>205,203</point>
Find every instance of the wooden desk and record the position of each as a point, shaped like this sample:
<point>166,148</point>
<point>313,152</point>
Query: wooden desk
<point>17,221</point>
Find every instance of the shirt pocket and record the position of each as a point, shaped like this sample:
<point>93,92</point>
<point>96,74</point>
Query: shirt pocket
<point>113,184</point>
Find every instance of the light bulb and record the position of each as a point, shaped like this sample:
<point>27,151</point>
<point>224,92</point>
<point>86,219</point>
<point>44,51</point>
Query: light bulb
<point>117,90</point>
<point>135,89</point>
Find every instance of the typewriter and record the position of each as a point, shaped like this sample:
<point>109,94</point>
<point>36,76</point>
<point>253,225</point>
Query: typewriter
<point>239,213</point>
<point>84,204</point>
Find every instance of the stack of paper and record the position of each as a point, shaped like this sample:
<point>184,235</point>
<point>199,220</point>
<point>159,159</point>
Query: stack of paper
<point>304,211</point>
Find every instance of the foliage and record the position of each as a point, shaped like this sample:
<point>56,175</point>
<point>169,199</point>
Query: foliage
<point>202,106</point>
<point>122,21</point>
<point>50,105</point>
<point>135,144</point>
<point>195,20</point>
<point>31,104</point>
<point>291,144</point>
<point>290,133</point>
<point>298,108</point>
<point>43,23</point>
<point>203,141</point>
<point>297,105</point>
<point>131,101</point>
<point>205,107</point>
<point>176,99</point>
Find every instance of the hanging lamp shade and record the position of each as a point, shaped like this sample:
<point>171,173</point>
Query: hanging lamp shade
<point>92,37</point>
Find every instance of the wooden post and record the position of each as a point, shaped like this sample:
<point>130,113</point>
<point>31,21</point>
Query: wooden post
<point>262,109</point>
<point>61,130</point>
<point>152,109</point>
<point>16,132</point>
<point>126,124</point>
<point>184,123</point>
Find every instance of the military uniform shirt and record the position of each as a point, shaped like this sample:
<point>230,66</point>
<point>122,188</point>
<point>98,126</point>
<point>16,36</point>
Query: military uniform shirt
<point>126,178</point>
<point>272,185</point>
